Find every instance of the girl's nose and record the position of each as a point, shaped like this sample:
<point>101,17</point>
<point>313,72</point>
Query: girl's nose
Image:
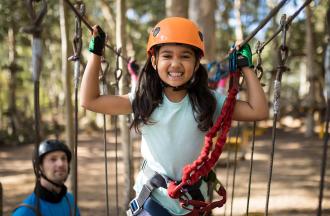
<point>175,62</point>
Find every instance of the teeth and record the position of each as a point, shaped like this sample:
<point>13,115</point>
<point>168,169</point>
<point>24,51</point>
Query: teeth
<point>175,74</point>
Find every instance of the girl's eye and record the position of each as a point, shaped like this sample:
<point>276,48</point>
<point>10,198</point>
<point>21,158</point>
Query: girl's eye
<point>166,56</point>
<point>186,56</point>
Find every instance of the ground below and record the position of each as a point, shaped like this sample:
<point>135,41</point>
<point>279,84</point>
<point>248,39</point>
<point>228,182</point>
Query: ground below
<point>294,188</point>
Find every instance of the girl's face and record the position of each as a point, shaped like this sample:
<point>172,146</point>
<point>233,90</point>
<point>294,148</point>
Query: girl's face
<point>175,64</point>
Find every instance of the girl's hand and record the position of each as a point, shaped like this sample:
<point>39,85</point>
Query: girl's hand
<point>244,56</point>
<point>97,42</point>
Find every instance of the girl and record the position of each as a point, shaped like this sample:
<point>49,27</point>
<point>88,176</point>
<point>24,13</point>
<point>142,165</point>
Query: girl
<point>173,108</point>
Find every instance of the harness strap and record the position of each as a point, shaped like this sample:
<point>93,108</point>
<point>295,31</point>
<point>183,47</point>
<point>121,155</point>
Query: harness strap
<point>197,200</point>
<point>69,205</point>
<point>155,181</point>
<point>35,210</point>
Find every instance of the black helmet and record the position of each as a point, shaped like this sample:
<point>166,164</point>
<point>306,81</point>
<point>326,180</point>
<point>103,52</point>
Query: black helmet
<point>48,146</point>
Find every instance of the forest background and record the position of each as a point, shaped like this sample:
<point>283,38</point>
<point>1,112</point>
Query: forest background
<point>127,23</point>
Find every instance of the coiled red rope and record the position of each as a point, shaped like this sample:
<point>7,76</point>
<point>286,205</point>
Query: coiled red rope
<point>208,157</point>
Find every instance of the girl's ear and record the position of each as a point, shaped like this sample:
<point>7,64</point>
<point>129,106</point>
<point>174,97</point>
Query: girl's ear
<point>153,61</point>
<point>197,66</point>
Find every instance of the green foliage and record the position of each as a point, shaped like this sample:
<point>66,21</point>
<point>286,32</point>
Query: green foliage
<point>141,15</point>
<point>144,15</point>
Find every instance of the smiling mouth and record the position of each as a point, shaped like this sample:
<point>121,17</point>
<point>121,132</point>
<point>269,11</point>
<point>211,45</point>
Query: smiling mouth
<point>174,74</point>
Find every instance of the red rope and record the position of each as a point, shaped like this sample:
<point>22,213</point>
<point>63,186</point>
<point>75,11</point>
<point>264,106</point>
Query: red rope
<point>208,157</point>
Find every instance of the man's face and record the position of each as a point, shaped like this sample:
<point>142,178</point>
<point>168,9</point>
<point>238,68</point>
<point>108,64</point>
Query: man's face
<point>55,166</point>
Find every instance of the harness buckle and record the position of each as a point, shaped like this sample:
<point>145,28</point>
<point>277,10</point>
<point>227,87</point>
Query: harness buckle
<point>134,208</point>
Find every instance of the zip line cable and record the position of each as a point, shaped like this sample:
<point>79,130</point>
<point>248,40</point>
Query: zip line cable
<point>77,47</point>
<point>288,22</point>
<point>83,19</point>
<point>263,22</point>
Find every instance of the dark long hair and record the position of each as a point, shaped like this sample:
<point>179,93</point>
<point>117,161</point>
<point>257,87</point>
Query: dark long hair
<point>149,94</point>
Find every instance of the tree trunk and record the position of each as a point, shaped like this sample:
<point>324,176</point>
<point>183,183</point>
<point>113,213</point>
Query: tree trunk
<point>108,16</point>
<point>238,27</point>
<point>311,74</point>
<point>67,77</point>
<point>274,55</point>
<point>178,8</point>
<point>203,13</point>
<point>12,109</point>
<point>123,89</point>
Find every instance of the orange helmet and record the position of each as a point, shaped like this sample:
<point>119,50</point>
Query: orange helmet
<point>176,30</point>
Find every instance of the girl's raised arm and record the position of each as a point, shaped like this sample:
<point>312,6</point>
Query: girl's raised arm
<point>90,97</point>
<point>256,106</point>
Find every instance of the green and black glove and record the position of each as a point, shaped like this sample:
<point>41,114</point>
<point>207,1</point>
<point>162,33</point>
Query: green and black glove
<point>97,43</point>
<point>244,57</point>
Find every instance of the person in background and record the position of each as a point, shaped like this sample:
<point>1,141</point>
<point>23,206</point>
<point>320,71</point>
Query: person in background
<point>54,199</point>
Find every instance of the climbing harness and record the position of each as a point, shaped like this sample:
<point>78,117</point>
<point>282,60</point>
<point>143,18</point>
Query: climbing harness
<point>156,180</point>
<point>77,47</point>
<point>35,29</point>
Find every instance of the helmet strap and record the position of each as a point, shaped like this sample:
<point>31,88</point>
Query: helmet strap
<point>50,181</point>
<point>177,88</point>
